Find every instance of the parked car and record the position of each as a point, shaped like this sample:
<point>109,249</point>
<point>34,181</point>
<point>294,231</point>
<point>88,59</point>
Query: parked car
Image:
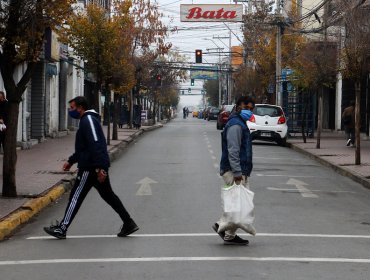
<point>213,114</point>
<point>224,116</point>
<point>206,112</point>
<point>269,123</point>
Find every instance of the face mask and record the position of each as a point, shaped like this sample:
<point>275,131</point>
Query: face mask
<point>74,114</point>
<point>246,114</point>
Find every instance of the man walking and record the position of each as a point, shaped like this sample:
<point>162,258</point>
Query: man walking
<point>236,160</point>
<point>3,118</point>
<point>93,162</point>
<point>348,118</point>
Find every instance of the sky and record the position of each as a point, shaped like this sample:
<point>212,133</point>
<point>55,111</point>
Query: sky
<point>199,35</point>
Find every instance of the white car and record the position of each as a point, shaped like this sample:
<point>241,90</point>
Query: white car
<point>269,123</point>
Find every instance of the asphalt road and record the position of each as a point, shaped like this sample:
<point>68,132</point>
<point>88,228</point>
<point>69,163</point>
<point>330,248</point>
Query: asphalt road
<point>312,223</point>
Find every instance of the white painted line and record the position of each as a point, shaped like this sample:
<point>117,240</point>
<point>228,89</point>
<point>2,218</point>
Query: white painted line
<point>213,157</point>
<point>300,185</point>
<point>186,259</point>
<point>216,165</point>
<point>209,234</point>
<point>211,151</point>
<point>283,175</point>
<point>295,190</point>
<point>209,146</point>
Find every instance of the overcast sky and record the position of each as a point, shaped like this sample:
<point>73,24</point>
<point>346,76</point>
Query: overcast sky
<point>197,36</point>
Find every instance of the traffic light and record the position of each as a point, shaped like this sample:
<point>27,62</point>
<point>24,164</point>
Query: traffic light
<point>198,56</point>
<point>159,80</point>
<point>189,90</point>
<point>192,82</point>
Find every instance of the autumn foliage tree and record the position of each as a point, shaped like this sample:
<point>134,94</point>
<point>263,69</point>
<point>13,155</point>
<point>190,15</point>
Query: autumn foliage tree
<point>355,55</point>
<point>22,32</point>
<point>105,44</point>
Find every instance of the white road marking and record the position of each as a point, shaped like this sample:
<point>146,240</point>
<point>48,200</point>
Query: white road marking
<point>295,190</point>
<point>209,146</point>
<point>145,188</point>
<point>216,165</point>
<point>187,259</point>
<point>298,235</point>
<point>283,175</point>
<point>300,185</point>
<point>213,157</point>
<point>211,151</point>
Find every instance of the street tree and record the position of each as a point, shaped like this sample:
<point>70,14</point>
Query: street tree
<point>355,55</point>
<point>22,33</point>
<point>211,88</point>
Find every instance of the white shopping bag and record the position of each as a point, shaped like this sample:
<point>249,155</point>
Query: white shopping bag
<point>238,209</point>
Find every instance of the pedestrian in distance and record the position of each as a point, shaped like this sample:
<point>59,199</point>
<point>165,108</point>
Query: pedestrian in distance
<point>92,157</point>
<point>348,119</point>
<point>184,112</point>
<point>3,118</point>
<point>236,160</point>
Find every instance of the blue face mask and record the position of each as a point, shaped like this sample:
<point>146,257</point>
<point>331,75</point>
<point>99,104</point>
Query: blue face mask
<point>246,114</point>
<point>74,114</point>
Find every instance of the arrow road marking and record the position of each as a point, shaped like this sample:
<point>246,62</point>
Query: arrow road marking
<point>305,192</point>
<point>145,188</point>
<point>283,175</point>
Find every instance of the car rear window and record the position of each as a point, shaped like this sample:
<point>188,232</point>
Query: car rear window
<point>229,108</point>
<point>215,110</point>
<point>267,111</point>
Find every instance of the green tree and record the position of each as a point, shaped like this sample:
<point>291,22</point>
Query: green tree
<point>212,92</point>
<point>22,31</point>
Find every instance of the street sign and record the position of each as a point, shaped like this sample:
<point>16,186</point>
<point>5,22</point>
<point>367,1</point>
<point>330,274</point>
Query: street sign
<point>201,73</point>
<point>213,12</point>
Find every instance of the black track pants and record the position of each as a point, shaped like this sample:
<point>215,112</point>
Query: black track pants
<point>85,181</point>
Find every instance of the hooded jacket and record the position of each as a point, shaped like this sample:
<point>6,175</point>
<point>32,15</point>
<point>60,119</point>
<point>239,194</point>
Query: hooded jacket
<point>90,146</point>
<point>236,147</point>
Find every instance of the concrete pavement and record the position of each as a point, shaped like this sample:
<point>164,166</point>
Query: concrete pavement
<point>324,236</point>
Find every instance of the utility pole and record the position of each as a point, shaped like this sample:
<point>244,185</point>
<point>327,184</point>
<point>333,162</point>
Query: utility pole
<point>279,94</point>
<point>229,80</point>
<point>219,74</point>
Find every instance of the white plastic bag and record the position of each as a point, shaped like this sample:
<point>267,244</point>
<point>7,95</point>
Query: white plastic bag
<point>2,127</point>
<point>238,209</point>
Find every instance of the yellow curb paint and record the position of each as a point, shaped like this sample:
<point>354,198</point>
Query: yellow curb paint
<point>28,210</point>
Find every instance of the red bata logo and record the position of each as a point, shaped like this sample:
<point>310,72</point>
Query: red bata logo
<point>198,13</point>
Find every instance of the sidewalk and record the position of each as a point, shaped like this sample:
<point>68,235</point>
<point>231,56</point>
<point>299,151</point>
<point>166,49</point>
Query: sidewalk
<point>335,154</point>
<point>39,169</point>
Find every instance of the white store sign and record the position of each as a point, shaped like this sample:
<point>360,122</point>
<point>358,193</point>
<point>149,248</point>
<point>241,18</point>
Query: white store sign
<point>209,13</point>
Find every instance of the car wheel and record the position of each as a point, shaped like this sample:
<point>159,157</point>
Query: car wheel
<point>282,142</point>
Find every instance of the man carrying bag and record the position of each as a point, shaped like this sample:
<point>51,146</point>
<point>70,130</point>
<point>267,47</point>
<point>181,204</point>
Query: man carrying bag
<point>235,168</point>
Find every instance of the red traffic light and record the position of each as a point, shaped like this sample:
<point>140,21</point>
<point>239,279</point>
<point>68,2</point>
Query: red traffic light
<point>198,56</point>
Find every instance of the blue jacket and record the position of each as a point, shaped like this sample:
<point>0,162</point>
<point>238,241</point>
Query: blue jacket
<point>90,146</point>
<point>236,147</point>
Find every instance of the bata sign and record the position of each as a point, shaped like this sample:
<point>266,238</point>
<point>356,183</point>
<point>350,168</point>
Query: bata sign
<point>228,12</point>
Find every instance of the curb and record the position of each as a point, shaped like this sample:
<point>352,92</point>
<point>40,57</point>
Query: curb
<point>29,209</point>
<point>339,169</point>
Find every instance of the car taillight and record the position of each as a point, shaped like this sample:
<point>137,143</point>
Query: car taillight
<point>252,119</point>
<point>281,120</point>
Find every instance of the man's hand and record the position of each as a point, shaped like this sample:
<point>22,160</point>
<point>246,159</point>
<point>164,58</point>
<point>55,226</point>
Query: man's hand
<point>238,179</point>
<point>102,175</point>
<point>67,166</point>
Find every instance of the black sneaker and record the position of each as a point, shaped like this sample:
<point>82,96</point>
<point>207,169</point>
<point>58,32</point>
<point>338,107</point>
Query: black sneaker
<point>215,228</point>
<point>236,241</point>
<point>128,229</point>
<point>56,231</point>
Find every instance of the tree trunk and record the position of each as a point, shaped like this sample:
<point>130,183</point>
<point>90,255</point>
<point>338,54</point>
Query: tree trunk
<point>10,151</point>
<point>319,119</point>
<point>303,126</point>
<point>358,123</point>
<point>107,92</point>
<point>131,108</point>
<point>115,117</point>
